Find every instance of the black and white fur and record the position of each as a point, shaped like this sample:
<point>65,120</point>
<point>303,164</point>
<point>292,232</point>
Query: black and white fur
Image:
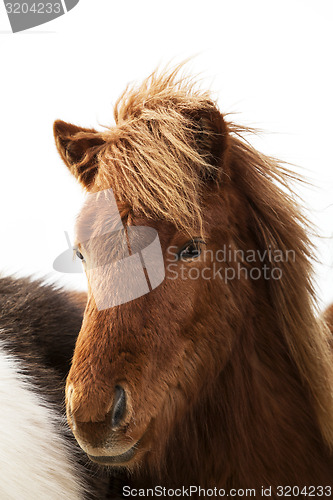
<point>38,459</point>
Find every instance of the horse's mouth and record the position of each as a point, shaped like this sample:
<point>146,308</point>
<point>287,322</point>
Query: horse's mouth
<point>121,459</point>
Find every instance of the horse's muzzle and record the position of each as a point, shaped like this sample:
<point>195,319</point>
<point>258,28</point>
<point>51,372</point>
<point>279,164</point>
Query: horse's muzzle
<point>104,439</point>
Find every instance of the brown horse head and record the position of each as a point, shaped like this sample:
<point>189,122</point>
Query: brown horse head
<point>175,165</point>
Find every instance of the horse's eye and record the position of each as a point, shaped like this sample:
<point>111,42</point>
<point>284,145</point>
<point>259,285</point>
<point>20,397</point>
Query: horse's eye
<point>191,250</point>
<point>79,255</point>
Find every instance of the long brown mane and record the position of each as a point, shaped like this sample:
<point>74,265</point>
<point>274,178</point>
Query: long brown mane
<point>328,317</point>
<point>280,225</point>
<point>166,181</point>
<point>173,161</point>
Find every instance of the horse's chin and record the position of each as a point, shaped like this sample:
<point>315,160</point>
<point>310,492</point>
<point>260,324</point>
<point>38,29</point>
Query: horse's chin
<point>118,457</point>
<point>115,460</point>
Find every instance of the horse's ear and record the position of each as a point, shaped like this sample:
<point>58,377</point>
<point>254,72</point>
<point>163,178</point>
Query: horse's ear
<point>78,148</point>
<point>211,136</point>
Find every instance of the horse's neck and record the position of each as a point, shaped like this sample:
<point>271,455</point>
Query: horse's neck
<point>270,429</point>
<point>255,425</point>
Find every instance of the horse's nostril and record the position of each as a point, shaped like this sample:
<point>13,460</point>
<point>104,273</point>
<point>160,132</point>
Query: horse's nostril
<point>119,407</point>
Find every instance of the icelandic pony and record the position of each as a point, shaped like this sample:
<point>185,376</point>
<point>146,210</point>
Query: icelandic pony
<point>38,459</point>
<point>218,379</point>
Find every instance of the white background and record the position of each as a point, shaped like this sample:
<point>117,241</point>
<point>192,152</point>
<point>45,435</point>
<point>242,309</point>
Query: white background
<point>270,62</point>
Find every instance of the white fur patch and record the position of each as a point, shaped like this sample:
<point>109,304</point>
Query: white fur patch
<point>35,462</point>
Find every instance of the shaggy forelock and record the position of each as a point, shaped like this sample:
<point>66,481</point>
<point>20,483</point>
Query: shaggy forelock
<point>151,158</point>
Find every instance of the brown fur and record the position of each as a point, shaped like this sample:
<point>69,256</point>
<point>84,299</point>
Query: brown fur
<point>328,316</point>
<point>228,384</point>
